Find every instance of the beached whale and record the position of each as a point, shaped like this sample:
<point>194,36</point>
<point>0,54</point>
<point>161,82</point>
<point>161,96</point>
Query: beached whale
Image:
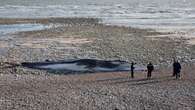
<point>80,65</point>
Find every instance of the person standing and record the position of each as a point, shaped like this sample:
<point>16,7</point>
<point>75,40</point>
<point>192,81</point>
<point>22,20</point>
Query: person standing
<point>132,69</point>
<point>150,68</point>
<point>174,68</point>
<point>177,68</point>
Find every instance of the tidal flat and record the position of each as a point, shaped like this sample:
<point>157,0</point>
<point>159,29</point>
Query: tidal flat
<point>70,38</point>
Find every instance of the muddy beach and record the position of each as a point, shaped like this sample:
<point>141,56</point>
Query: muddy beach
<point>70,38</point>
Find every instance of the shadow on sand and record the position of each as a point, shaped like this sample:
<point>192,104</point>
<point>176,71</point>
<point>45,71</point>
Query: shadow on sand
<point>135,82</point>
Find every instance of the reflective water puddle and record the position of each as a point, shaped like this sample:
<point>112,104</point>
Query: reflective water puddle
<point>13,28</point>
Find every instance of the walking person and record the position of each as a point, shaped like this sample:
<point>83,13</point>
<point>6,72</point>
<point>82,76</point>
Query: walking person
<point>150,68</point>
<point>132,69</point>
<point>177,67</point>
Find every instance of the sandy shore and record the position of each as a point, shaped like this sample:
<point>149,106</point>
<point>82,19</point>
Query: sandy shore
<point>36,90</point>
<point>23,88</point>
<point>85,38</point>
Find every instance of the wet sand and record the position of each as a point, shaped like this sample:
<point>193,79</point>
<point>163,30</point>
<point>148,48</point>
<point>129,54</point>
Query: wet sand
<point>23,88</point>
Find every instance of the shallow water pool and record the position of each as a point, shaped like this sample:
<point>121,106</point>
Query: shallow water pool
<point>13,28</point>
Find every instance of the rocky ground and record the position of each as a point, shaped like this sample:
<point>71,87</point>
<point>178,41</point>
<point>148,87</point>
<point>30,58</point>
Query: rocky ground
<point>109,91</point>
<point>85,38</point>
<point>23,88</point>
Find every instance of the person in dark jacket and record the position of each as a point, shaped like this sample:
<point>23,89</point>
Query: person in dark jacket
<point>177,69</point>
<point>132,69</point>
<point>150,68</point>
<point>174,68</point>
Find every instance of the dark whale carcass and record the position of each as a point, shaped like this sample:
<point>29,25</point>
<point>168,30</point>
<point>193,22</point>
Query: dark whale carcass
<point>80,65</point>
